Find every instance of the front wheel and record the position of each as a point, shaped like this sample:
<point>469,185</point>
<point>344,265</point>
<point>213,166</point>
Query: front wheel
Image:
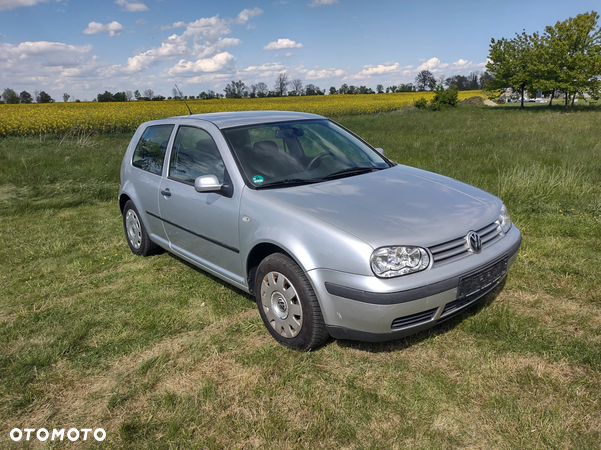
<point>288,305</point>
<point>135,232</point>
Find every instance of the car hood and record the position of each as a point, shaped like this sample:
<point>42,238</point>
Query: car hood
<point>399,205</point>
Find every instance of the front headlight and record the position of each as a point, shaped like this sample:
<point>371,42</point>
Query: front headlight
<point>390,262</point>
<point>504,219</point>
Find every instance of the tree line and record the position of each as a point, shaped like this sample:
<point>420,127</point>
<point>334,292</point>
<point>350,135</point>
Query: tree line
<point>10,96</point>
<point>563,60</point>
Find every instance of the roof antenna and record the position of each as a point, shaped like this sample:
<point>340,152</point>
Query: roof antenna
<point>182,97</point>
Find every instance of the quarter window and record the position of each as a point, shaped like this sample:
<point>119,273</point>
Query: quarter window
<point>195,154</point>
<point>150,151</point>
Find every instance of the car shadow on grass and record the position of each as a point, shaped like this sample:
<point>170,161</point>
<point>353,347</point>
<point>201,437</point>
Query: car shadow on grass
<point>439,329</point>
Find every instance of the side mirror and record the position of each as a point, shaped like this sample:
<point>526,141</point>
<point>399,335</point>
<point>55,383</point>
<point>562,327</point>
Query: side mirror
<point>380,150</point>
<point>207,183</point>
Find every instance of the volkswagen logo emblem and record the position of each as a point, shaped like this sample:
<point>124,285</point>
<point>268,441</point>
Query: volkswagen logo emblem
<point>474,242</point>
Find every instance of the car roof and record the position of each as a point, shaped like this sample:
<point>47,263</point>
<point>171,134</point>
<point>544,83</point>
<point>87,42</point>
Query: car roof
<point>242,118</point>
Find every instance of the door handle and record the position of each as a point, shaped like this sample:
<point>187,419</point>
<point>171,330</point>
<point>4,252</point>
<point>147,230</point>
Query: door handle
<point>166,192</point>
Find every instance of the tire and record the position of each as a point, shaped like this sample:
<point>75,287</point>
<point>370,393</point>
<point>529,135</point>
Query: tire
<point>135,232</point>
<point>288,305</point>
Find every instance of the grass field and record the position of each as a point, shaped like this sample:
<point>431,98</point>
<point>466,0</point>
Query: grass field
<point>163,356</point>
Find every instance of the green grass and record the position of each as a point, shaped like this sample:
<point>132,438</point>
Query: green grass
<point>162,355</point>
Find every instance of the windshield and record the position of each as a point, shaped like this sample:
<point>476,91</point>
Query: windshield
<point>292,153</point>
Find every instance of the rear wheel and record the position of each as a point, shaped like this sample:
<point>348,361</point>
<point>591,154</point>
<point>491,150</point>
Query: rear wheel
<point>135,232</point>
<point>288,305</point>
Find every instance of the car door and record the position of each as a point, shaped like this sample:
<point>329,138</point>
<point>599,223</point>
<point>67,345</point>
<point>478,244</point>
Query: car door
<point>201,226</point>
<point>147,163</point>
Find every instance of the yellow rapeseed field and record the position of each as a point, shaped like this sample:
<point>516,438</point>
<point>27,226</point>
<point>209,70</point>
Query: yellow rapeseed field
<point>62,118</point>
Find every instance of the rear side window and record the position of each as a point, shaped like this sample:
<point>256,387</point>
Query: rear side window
<point>150,151</point>
<point>195,154</point>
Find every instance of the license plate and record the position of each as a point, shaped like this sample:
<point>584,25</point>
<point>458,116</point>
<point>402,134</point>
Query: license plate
<point>484,279</point>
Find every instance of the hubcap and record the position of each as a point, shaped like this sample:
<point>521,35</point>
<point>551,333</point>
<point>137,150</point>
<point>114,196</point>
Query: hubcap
<point>281,304</point>
<point>134,229</point>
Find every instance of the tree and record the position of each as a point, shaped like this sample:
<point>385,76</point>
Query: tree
<point>571,55</point>
<point>333,90</point>
<point>311,89</point>
<point>175,94</point>
<point>137,95</point>
<point>425,80</point>
<point>343,89</point>
<point>236,89</point>
<point>10,96</point>
<point>129,95</point>
<point>281,85</point>
<point>25,97</point>
<point>106,97</point>
<point>405,87</point>
<point>510,63</point>
<point>380,89</point>
<point>43,97</point>
<point>262,89</point>
<point>297,87</point>
<point>148,94</point>
<point>66,97</point>
<point>485,78</point>
<point>120,97</point>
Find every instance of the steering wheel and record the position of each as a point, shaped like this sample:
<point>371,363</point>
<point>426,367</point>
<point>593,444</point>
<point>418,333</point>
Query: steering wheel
<point>315,161</point>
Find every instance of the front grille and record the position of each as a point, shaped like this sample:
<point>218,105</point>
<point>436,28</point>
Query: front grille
<point>457,248</point>
<point>413,319</point>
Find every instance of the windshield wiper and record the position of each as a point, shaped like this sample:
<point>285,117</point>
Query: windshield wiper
<point>350,171</point>
<point>287,182</point>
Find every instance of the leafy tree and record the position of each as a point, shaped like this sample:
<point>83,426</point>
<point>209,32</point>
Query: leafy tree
<point>510,63</point>
<point>425,80</point>
<point>106,97</point>
<point>333,90</point>
<point>380,89</point>
<point>344,89</point>
<point>570,52</point>
<point>43,97</point>
<point>137,95</point>
<point>485,78</point>
<point>236,89</point>
<point>281,85</point>
<point>405,88</point>
<point>120,97</point>
<point>311,89</point>
<point>66,97</point>
<point>296,87</point>
<point>25,97</point>
<point>10,96</point>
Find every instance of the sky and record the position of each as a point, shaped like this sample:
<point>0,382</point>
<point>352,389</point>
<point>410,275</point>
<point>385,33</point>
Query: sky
<point>84,48</point>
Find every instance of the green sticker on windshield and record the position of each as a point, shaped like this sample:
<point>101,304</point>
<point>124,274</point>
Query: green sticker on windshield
<point>258,179</point>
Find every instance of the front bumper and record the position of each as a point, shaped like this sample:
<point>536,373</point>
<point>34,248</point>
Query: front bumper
<point>374,310</point>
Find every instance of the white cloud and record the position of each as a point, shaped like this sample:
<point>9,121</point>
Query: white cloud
<point>112,28</point>
<point>45,49</point>
<point>140,21</point>
<point>461,63</point>
<point>281,44</point>
<point>433,65</point>
<point>378,70</point>
<point>171,47</point>
<point>322,2</point>
<point>12,4</point>
<point>218,63</point>
<point>247,14</point>
<point>325,73</point>
<point>132,6</point>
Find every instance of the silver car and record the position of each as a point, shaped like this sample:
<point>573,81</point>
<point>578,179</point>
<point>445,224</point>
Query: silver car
<point>330,236</point>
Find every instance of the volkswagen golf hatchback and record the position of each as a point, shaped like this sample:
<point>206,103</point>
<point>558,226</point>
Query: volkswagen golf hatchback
<point>330,236</point>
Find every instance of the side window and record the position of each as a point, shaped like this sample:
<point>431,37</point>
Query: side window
<point>150,151</point>
<point>195,154</point>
